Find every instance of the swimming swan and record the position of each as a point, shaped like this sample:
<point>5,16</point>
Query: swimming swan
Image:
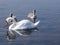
<point>17,27</point>
<point>23,24</point>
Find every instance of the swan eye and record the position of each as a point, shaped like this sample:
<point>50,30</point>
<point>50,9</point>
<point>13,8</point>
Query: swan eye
<point>11,20</point>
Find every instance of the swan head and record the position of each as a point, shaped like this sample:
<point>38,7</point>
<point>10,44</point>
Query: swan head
<point>10,20</point>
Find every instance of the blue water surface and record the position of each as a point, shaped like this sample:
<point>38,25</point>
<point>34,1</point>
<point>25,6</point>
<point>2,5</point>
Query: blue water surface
<point>48,12</point>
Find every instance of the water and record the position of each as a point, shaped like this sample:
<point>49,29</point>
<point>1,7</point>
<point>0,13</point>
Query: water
<point>48,12</point>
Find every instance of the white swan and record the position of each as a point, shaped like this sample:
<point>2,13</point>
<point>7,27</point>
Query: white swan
<point>16,27</point>
<point>23,24</point>
<point>32,15</point>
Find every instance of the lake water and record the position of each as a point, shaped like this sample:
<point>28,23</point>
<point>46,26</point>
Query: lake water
<point>48,12</point>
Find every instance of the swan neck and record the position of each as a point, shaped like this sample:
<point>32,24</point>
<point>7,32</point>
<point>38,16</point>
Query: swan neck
<point>14,21</point>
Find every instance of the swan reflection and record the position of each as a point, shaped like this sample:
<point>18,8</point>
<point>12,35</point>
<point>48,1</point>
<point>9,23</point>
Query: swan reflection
<point>24,32</point>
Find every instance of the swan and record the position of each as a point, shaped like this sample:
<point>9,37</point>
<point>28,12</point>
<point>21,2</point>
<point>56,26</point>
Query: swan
<point>17,27</point>
<point>32,16</point>
<point>9,19</point>
<point>21,25</point>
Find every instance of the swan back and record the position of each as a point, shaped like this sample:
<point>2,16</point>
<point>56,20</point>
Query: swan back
<point>25,24</point>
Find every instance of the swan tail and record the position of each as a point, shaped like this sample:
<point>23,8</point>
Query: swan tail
<point>36,23</point>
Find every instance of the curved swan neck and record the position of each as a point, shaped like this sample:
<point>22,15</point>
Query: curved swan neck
<point>14,21</point>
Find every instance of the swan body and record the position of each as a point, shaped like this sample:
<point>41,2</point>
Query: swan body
<point>16,27</point>
<point>23,24</point>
